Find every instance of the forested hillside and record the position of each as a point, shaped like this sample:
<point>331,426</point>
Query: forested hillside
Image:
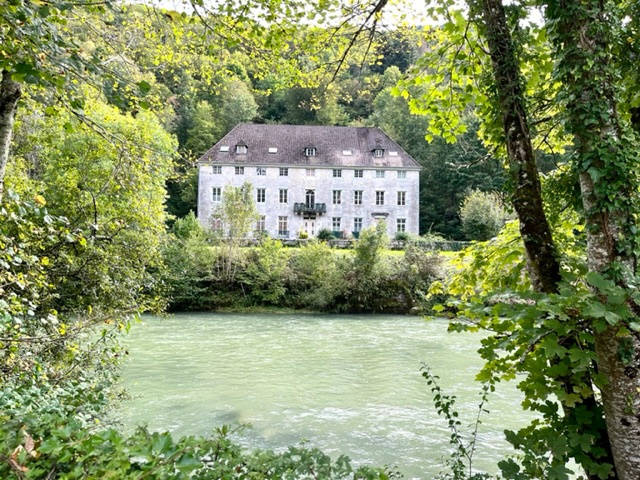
<point>172,71</point>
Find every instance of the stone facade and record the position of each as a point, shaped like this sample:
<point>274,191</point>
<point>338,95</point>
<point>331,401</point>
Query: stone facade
<point>299,190</point>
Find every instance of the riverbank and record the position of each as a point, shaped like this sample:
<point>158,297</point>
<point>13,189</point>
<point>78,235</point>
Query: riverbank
<point>313,277</point>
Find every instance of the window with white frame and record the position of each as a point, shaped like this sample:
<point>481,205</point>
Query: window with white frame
<point>402,198</point>
<point>261,195</point>
<point>241,149</point>
<point>239,170</point>
<point>260,224</point>
<point>379,173</point>
<point>216,169</point>
<point>283,226</point>
<point>357,224</point>
<point>284,195</point>
<point>357,197</point>
<point>261,171</point>
<point>347,152</point>
<point>216,194</point>
<point>311,172</point>
<point>224,148</point>
<point>337,197</point>
<point>402,174</point>
<point>337,173</point>
<point>273,150</point>
<point>335,223</point>
<point>284,172</point>
<point>380,197</point>
<point>378,152</point>
<point>359,173</point>
<point>310,152</point>
<point>401,224</point>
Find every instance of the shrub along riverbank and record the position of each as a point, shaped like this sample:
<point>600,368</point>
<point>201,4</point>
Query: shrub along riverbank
<point>202,274</point>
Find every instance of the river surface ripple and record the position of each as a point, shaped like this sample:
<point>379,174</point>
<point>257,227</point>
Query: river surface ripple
<point>345,383</point>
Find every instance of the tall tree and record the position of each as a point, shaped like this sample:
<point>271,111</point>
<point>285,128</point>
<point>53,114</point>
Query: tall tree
<point>584,35</point>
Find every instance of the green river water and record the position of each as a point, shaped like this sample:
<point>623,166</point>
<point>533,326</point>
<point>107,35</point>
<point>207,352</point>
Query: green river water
<point>344,383</point>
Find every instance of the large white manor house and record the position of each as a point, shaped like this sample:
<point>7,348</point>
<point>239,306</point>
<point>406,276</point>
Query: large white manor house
<point>307,178</point>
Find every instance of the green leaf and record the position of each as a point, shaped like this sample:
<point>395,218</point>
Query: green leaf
<point>144,87</point>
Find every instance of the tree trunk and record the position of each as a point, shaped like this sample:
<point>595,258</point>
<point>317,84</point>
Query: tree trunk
<point>583,33</point>
<point>9,96</point>
<point>542,262</point>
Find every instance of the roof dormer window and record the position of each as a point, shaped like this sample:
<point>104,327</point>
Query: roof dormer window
<point>224,148</point>
<point>378,152</point>
<point>310,151</point>
<point>241,149</point>
<point>393,154</point>
<point>273,150</point>
<point>347,152</point>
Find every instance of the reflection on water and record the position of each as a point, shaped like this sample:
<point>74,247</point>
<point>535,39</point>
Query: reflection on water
<point>344,383</point>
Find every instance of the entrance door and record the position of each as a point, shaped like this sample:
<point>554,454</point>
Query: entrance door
<point>310,227</point>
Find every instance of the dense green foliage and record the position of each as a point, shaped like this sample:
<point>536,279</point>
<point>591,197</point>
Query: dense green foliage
<point>208,274</point>
<point>58,442</point>
<point>482,214</point>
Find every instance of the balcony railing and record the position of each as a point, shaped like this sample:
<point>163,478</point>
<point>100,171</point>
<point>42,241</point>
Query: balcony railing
<point>317,208</point>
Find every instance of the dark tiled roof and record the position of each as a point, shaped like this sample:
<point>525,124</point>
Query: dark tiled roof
<point>291,140</point>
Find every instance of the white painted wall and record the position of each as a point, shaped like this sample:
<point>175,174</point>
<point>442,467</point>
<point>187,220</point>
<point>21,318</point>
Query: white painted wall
<point>323,183</point>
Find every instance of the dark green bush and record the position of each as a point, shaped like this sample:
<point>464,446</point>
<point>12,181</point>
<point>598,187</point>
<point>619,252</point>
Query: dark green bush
<point>325,235</point>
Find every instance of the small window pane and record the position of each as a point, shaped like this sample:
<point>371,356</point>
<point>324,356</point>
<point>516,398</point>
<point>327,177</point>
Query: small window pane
<point>283,195</point>
<point>337,197</point>
<point>261,171</point>
<point>379,197</point>
<point>283,226</point>
<point>311,172</point>
<point>402,198</point>
<point>337,173</point>
<point>357,197</point>
<point>239,170</point>
<point>241,149</point>
<point>401,224</point>
<point>358,173</point>
<point>217,169</point>
<point>402,174</point>
<point>378,153</point>
<point>261,195</point>
<point>357,224</point>
<point>216,194</point>
<point>379,173</point>
<point>335,223</point>
<point>284,172</point>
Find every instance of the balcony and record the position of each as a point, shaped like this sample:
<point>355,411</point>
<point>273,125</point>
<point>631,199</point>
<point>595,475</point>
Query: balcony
<point>303,208</point>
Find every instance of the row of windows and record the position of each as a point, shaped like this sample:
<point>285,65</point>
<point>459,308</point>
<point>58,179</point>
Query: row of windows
<point>242,149</point>
<point>310,172</point>
<point>336,197</point>
<point>336,224</point>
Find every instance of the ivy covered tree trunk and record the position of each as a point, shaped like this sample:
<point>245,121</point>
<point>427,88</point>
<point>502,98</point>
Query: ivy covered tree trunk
<point>543,264</point>
<point>9,96</point>
<point>583,33</point>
